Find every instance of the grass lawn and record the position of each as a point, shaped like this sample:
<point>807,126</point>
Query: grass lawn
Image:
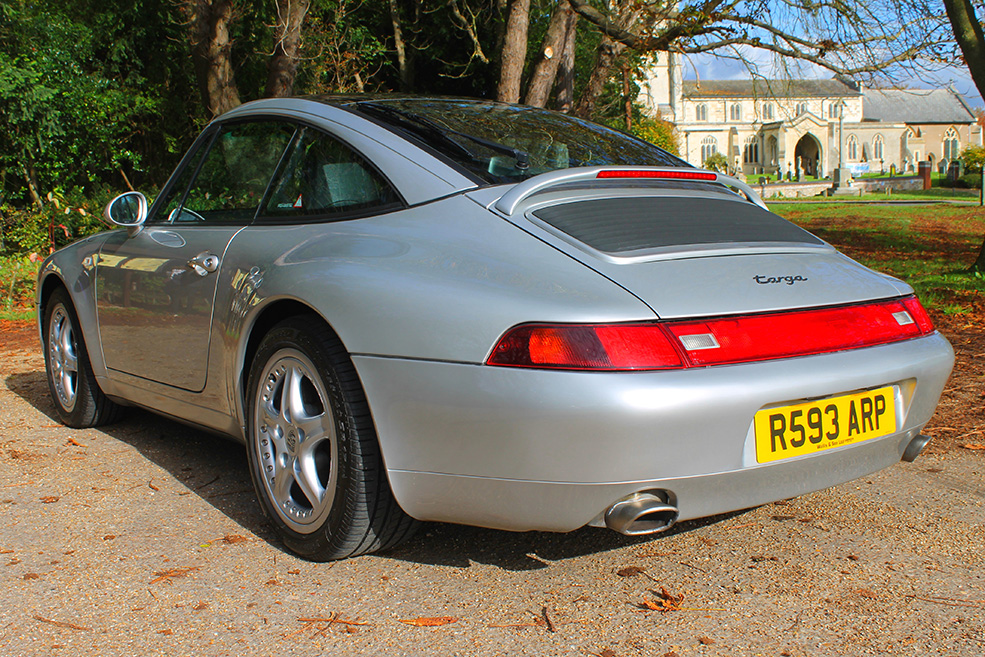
<point>931,247</point>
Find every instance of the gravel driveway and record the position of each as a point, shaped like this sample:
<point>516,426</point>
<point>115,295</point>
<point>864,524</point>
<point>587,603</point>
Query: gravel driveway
<point>144,539</point>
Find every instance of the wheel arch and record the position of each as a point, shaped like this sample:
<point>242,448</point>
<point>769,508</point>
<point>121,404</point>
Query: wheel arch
<point>266,319</point>
<point>49,284</point>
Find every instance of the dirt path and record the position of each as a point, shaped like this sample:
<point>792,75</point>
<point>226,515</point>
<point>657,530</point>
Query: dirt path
<point>144,539</point>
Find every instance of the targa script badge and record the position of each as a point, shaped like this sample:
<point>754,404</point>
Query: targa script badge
<point>789,280</point>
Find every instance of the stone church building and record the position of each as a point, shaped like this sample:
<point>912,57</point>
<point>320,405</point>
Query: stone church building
<point>809,126</point>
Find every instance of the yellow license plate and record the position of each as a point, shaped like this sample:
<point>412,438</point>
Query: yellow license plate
<point>800,429</point>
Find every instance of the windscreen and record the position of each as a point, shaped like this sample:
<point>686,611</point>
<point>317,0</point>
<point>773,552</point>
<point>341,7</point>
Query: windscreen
<point>500,143</point>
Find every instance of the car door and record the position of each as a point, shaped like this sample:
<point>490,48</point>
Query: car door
<point>155,289</point>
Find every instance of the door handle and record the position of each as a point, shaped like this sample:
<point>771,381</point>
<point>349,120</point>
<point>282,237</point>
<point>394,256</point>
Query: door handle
<point>204,263</point>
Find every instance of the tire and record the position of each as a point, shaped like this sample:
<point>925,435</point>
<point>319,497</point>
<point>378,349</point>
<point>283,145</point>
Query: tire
<point>313,453</point>
<point>78,399</point>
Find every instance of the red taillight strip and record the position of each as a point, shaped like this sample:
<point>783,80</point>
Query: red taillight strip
<point>804,332</point>
<point>698,343</point>
<point>642,173</point>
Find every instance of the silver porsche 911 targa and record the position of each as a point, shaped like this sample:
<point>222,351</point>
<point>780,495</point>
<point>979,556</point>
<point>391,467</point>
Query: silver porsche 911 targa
<point>463,311</point>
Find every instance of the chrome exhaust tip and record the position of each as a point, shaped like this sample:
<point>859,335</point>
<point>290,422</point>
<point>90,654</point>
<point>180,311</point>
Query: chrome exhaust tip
<point>641,513</point>
<point>916,446</point>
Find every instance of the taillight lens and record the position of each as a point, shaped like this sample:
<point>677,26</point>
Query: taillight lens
<point>588,347</point>
<point>643,173</point>
<point>677,345</point>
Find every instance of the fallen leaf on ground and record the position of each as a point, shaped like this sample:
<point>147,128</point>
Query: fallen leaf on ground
<point>706,641</point>
<point>629,571</point>
<point>70,626</point>
<point>434,621</point>
<point>974,446</point>
<point>168,575</point>
<point>231,539</point>
<point>73,441</point>
<point>666,601</point>
<point>49,499</point>
<point>334,619</point>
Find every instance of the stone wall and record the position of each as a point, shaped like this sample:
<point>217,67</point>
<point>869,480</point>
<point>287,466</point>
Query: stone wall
<point>820,187</point>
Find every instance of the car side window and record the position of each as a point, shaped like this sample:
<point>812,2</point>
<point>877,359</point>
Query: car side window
<point>231,178</point>
<point>323,176</point>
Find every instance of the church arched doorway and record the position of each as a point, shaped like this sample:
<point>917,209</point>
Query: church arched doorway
<point>807,156</point>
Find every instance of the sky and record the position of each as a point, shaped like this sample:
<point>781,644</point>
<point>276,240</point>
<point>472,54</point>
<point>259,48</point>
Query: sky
<point>710,67</point>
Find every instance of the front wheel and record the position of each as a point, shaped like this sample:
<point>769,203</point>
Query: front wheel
<point>313,453</point>
<point>78,399</point>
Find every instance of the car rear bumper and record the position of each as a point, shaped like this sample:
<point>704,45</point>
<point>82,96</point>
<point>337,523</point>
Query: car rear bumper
<point>549,450</point>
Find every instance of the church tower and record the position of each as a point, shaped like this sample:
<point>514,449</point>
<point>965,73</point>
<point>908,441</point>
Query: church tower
<point>661,90</point>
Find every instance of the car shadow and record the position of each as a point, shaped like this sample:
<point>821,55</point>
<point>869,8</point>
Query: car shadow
<point>215,469</point>
<point>460,546</point>
<point>206,465</point>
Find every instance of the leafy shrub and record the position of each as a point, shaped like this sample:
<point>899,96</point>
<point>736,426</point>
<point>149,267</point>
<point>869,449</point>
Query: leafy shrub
<point>972,180</point>
<point>17,274</point>
<point>716,162</point>
<point>657,132</point>
<point>42,230</point>
<point>974,158</point>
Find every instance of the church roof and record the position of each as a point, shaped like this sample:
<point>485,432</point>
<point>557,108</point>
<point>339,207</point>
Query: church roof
<point>915,106</point>
<point>769,88</point>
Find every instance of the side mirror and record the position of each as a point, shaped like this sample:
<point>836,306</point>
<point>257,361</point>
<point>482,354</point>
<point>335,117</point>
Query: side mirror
<point>128,210</point>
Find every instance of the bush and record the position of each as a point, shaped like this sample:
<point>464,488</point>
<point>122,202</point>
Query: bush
<point>17,274</point>
<point>971,180</point>
<point>974,158</point>
<point>657,132</point>
<point>42,230</point>
<point>716,162</point>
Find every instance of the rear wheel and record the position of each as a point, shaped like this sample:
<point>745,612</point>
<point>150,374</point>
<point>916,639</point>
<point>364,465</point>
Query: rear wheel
<point>313,452</point>
<point>73,387</point>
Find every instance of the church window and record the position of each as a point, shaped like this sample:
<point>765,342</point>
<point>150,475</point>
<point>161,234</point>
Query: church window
<point>735,112</point>
<point>801,108</point>
<point>951,144</point>
<point>877,147</point>
<point>750,152</point>
<point>852,147</point>
<point>701,113</point>
<point>709,146</point>
<point>768,111</point>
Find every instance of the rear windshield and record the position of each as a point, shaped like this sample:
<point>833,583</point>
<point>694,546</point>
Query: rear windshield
<point>500,143</point>
<point>622,226</point>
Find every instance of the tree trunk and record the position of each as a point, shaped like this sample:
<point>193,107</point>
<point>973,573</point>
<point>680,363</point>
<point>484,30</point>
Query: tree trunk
<point>208,23</point>
<point>283,65</point>
<point>980,261</point>
<point>403,63</point>
<point>514,52</point>
<point>31,178</point>
<point>566,68</point>
<point>545,70</point>
<point>970,36</point>
<point>606,55</point>
<point>626,99</point>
